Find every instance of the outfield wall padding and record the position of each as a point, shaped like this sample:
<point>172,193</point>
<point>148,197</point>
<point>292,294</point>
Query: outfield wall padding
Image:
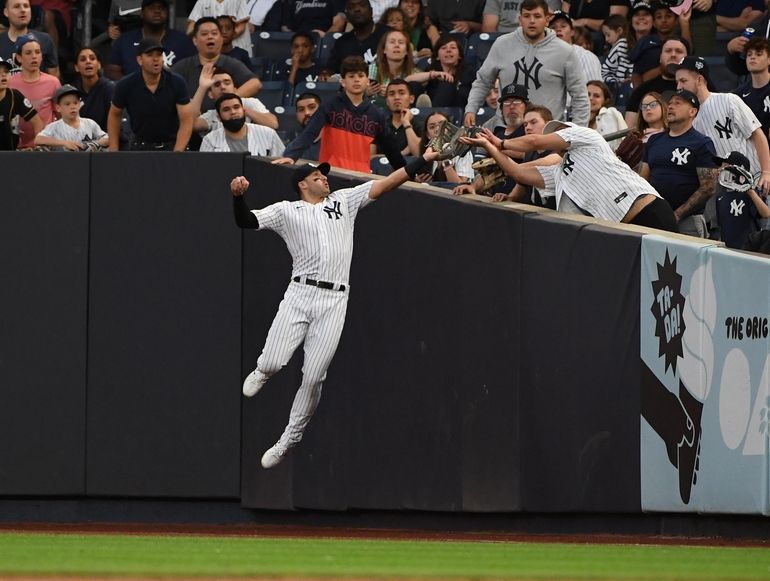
<point>489,360</point>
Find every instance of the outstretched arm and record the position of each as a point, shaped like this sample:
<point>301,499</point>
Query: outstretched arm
<point>243,216</point>
<point>525,174</point>
<point>400,176</point>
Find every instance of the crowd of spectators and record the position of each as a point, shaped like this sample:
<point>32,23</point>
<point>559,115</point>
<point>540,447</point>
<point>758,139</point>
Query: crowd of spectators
<point>404,69</point>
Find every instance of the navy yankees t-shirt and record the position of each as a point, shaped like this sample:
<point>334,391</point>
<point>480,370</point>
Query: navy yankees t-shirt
<point>758,101</point>
<point>674,162</point>
<point>737,217</point>
<point>176,46</point>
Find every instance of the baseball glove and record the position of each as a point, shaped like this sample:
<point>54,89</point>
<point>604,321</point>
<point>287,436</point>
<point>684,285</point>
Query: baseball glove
<point>631,149</point>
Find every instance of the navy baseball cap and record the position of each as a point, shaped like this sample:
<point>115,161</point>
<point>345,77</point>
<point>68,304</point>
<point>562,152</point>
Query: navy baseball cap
<point>9,66</point>
<point>696,64</point>
<point>148,44</point>
<point>66,90</point>
<point>22,40</point>
<point>735,158</point>
<point>514,91</point>
<point>305,170</point>
<point>688,96</point>
<point>639,6</point>
<point>146,3</point>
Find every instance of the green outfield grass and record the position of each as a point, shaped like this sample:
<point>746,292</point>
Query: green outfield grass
<point>170,555</point>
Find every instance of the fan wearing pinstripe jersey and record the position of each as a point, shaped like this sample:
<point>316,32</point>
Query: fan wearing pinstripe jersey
<point>318,231</point>
<point>236,135</point>
<point>590,178</point>
<point>726,119</point>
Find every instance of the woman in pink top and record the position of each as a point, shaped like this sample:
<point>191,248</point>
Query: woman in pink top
<point>38,87</point>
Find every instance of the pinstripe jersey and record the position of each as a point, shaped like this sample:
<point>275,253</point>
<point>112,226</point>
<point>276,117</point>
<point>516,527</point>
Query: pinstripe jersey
<point>593,177</point>
<point>319,236</point>
<point>261,141</point>
<point>729,122</point>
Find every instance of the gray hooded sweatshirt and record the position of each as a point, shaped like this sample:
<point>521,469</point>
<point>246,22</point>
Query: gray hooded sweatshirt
<point>549,69</point>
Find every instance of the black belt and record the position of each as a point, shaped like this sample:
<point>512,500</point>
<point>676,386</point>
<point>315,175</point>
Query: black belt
<point>320,283</point>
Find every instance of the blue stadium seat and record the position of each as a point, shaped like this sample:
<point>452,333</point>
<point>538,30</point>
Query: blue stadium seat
<point>484,114</point>
<point>455,115</point>
<point>423,64</point>
<point>324,48</point>
<point>323,90</point>
<point>274,94</point>
<point>462,40</point>
<point>288,127</point>
<point>479,45</point>
<point>271,45</point>
<point>381,166</point>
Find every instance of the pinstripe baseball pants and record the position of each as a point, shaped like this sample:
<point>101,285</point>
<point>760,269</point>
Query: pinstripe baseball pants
<point>316,316</point>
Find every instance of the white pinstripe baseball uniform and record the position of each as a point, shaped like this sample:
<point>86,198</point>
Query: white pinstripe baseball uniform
<point>261,141</point>
<point>592,176</point>
<point>729,122</point>
<point>319,238</point>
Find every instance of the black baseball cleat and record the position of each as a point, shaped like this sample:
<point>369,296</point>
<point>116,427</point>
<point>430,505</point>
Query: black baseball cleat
<point>689,448</point>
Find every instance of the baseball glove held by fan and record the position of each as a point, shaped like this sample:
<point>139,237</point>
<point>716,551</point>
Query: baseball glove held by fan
<point>631,149</point>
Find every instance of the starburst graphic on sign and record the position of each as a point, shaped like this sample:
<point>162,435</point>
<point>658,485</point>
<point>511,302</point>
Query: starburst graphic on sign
<point>667,308</point>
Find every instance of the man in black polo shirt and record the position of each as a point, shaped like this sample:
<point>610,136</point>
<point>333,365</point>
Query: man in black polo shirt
<point>207,38</point>
<point>157,102</point>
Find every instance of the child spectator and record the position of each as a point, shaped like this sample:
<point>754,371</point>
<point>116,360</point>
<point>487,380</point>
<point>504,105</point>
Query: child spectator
<point>235,8</point>
<point>393,18</point>
<point>35,85</point>
<point>349,125</point>
<point>227,26</point>
<point>739,213</point>
<point>616,68</point>
<point>71,132</point>
<point>234,134</point>
<point>95,89</point>
<point>14,108</point>
<point>302,67</point>
<point>214,83</point>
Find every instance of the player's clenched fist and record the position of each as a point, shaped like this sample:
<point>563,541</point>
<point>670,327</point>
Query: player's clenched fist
<point>239,186</point>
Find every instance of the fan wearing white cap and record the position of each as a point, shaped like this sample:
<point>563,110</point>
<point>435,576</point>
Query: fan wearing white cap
<point>71,132</point>
<point>590,179</point>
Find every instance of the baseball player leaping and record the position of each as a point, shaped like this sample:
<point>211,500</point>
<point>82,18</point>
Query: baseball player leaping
<point>318,231</point>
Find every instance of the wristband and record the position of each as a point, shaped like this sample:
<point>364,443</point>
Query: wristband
<point>414,166</point>
<point>406,127</point>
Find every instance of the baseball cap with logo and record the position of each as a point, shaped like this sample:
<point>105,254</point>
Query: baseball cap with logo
<point>148,44</point>
<point>691,63</point>
<point>688,96</point>
<point>305,170</point>
<point>639,6</point>
<point>514,91</point>
<point>66,90</point>
<point>8,66</point>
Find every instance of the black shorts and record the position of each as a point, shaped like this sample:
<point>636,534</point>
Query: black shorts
<point>658,215</point>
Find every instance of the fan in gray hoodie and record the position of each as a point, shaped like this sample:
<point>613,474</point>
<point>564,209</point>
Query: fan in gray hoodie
<point>547,66</point>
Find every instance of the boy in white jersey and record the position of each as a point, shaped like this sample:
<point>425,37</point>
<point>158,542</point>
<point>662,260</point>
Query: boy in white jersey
<point>72,132</point>
<point>590,179</point>
<point>318,231</point>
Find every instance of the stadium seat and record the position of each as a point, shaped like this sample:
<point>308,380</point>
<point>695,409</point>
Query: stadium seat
<point>272,45</point>
<point>479,45</point>
<point>423,64</point>
<point>381,166</point>
<point>274,94</point>
<point>324,48</point>
<point>288,127</point>
<point>323,90</point>
<point>484,114</point>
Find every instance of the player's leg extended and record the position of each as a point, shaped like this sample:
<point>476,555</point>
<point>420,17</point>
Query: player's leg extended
<point>321,342</point>
<point>323,337</point>
<point>286,333</point>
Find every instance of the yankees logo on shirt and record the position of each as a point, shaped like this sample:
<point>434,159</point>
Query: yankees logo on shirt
<point>680,156</point>
<point>729,122</point>
<point>527,72</point>
<point>736,207</point>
